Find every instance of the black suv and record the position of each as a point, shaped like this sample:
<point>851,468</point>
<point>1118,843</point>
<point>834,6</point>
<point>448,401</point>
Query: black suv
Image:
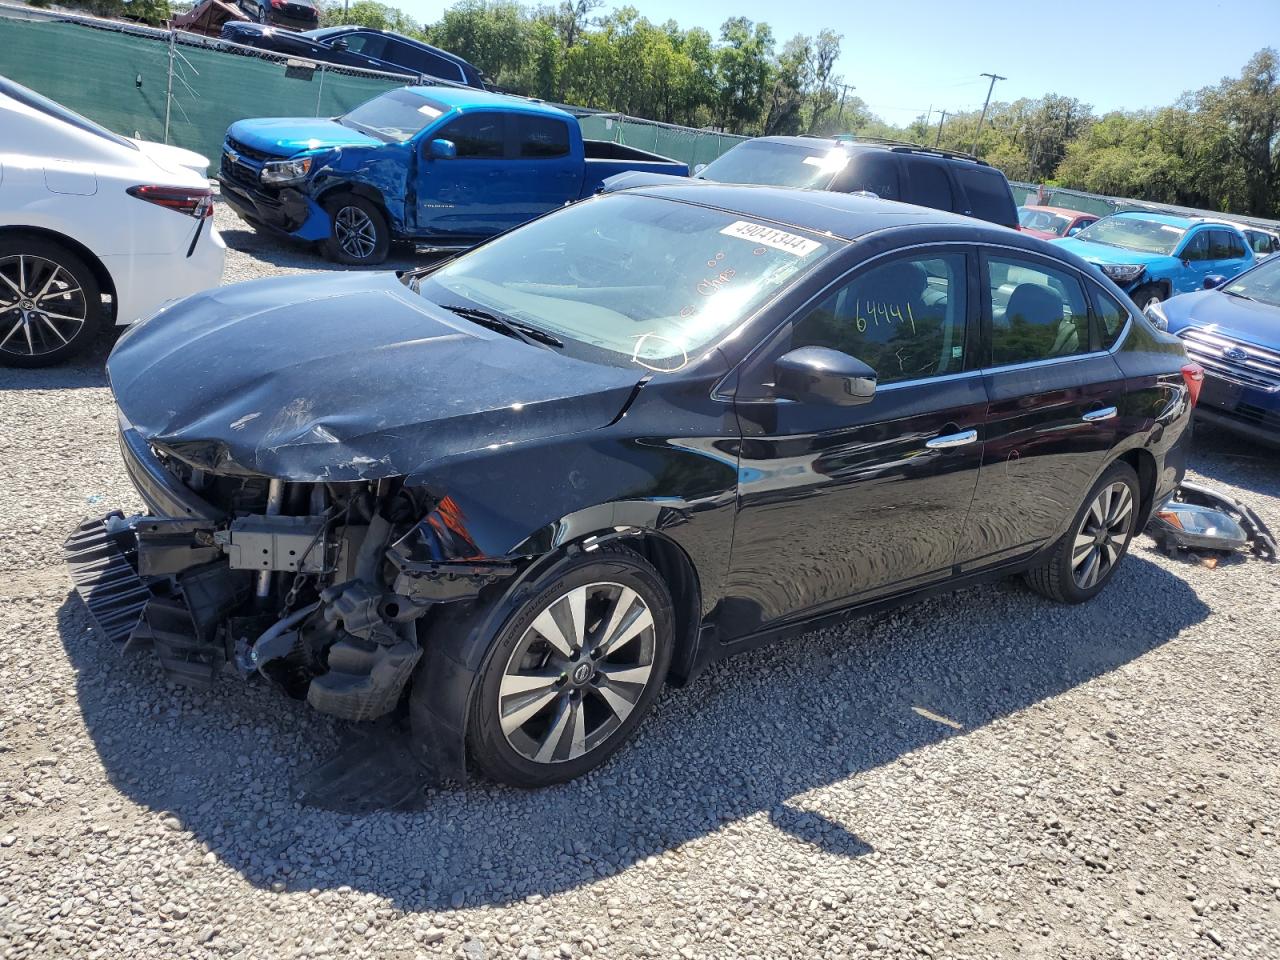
<point>890,169</point>
<point>359,47</point>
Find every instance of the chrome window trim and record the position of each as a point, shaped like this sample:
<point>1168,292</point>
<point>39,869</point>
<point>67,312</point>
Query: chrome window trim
<point>978,371</point>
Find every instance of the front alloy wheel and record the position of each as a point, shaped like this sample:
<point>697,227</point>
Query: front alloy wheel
<point>358,232</point>
<point>573,669</point>
<point>577,673</point>
<point>50,304</point>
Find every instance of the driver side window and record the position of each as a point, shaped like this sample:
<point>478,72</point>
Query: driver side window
<point>478,136</point>
<point>905,319</point>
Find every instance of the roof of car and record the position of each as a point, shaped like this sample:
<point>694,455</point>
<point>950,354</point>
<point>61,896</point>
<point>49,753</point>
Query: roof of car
<point>469,98</point>
<point>843,215</point>
<point>1063,211</point>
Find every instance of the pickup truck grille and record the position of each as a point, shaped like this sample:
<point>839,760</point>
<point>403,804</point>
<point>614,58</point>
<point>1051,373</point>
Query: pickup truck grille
<point>1234,360</point>
<point>242,164</point>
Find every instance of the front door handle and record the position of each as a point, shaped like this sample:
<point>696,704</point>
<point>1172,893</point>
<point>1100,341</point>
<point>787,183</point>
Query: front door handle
<point>1093,416</point>
<point>952,440</point>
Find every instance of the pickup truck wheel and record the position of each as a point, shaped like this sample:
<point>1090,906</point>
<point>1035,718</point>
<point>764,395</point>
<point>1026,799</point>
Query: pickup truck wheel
<point>50,303</point>
<point>573,670</point>
<point>358,232</point>
<point>1147,294</point>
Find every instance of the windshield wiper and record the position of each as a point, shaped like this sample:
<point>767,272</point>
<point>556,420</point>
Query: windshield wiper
<point>521,331</point>
<point>1238,296</point>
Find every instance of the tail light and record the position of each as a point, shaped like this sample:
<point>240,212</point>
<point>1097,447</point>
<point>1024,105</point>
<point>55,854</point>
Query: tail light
<point>193,201</point>
<point>1193,377</point>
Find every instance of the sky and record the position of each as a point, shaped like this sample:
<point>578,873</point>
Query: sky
<point>909,56</point>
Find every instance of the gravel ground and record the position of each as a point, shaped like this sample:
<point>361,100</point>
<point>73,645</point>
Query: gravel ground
<point>982,775</point>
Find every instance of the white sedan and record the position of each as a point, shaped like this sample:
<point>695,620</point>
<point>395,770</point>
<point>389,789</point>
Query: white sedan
<point>88,217</point>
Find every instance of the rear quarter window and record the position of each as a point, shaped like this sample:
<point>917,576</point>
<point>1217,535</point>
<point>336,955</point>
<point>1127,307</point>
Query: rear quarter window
<point>1111,316</point>
<point>989,196</point>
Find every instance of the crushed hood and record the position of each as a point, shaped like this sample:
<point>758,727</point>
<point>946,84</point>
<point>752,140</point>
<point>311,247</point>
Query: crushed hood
<point>344,377</point>
<point>285,136</point>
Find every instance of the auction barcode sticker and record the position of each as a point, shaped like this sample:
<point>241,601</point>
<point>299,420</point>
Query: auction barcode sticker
<point>771,237</point>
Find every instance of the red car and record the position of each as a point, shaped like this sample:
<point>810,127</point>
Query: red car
<point>1050,222</point>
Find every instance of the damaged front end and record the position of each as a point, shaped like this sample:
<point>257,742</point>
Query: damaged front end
<point>322,587</point>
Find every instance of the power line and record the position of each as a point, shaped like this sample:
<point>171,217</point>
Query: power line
<point>986,103</point>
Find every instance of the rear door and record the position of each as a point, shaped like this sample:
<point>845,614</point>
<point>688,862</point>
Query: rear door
<point>546,173</point>
<point>927,182</point>
<point>1055,395</point>
<point>987,194</point>
<point>845,504</point>
<point>1228,255</point>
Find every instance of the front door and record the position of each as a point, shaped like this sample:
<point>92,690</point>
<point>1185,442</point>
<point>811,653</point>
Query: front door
<point>843,504</point>
<point>1055,402</point>
<point>470,196</point>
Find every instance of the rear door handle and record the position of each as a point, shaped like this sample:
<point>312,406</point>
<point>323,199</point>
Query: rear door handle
<point>1106,413</point>
<point>952,440</point>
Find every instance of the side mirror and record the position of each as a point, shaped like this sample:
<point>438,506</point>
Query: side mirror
<point>824,376</point>
<point>338,44</point>
<point>699,168</point>
<point>442,150</point>
<point>1213,281</point>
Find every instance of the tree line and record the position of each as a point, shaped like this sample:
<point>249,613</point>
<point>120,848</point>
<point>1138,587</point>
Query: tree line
<point>1216,148</point>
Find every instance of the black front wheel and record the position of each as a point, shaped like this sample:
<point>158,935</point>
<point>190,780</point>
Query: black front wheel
<point>50,303</point>
<point>358,232</point>
<point>573,671</point>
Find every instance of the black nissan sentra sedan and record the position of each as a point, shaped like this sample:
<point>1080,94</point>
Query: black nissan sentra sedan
<point>518,492</point>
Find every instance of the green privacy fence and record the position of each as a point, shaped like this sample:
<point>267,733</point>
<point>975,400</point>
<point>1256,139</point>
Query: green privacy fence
<point>120,75</point>
<point>122,80</point>
<point>679,143</point>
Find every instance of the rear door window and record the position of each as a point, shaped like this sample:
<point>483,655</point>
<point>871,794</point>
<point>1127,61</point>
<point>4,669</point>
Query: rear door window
<point>988,192</point>
<point>540,137</point>
<point>1038,312</point>
<point>1235,246</point>
<point>423,61</point>
<point>928,184</point>
<point>872,170</point>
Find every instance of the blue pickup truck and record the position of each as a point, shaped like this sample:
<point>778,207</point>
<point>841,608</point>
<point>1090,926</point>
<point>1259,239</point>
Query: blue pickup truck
<point>442,166</point>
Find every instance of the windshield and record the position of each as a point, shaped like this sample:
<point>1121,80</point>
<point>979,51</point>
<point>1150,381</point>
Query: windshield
<point>395,116</point>
<point>779,164</point>
<point>1054,223</point>
<point>630,280</point>
<point>1261,284</point>
<point>1133,233</point>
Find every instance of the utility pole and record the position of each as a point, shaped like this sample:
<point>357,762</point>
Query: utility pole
<point>844,89</point>
<point>986,103</point>
<point>941,120</point>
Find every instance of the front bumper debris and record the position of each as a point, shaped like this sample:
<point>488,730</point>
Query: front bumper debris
<point>1201,518</point>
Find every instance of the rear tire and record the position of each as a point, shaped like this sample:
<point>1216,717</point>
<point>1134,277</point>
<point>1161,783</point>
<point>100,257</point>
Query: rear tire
<point>587,703</point>
<point>358,231</point>
<point>50,303</point>
<point>1082,562</point>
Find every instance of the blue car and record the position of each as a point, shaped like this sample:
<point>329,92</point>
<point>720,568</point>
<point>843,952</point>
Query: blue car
<point>1155,256</point>
<point>445,166</point>
<point>1233,331</point>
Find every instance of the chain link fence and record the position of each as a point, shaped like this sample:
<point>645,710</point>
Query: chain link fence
<point>186,89</point>
<point>1031,193</point>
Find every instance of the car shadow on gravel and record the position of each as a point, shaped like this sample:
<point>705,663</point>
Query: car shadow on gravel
<point>286,252</point>
<point>751,738</point>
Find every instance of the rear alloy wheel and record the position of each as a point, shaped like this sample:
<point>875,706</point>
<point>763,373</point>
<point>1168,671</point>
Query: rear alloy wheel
<point>358,233</point>
<point>1082,562</point>
<point>50,303</point>
<point>573,672</point>
<point>262,14</point>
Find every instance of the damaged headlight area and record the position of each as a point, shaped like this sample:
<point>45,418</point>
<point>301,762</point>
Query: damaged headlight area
<point>320,587</point>
<point>277,172</point>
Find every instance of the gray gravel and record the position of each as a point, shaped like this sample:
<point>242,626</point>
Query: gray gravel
<point>981,775</point>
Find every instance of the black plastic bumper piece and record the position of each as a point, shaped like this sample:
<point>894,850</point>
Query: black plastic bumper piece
<point>102,566</point>
<point>364,680</point>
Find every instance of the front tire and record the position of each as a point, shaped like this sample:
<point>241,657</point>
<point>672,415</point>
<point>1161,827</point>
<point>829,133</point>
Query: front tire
<point>50,303</point>
<point>358,232</point>
<point>1082,562</point>
<point>573,671</point>
<point>1146,294</point>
